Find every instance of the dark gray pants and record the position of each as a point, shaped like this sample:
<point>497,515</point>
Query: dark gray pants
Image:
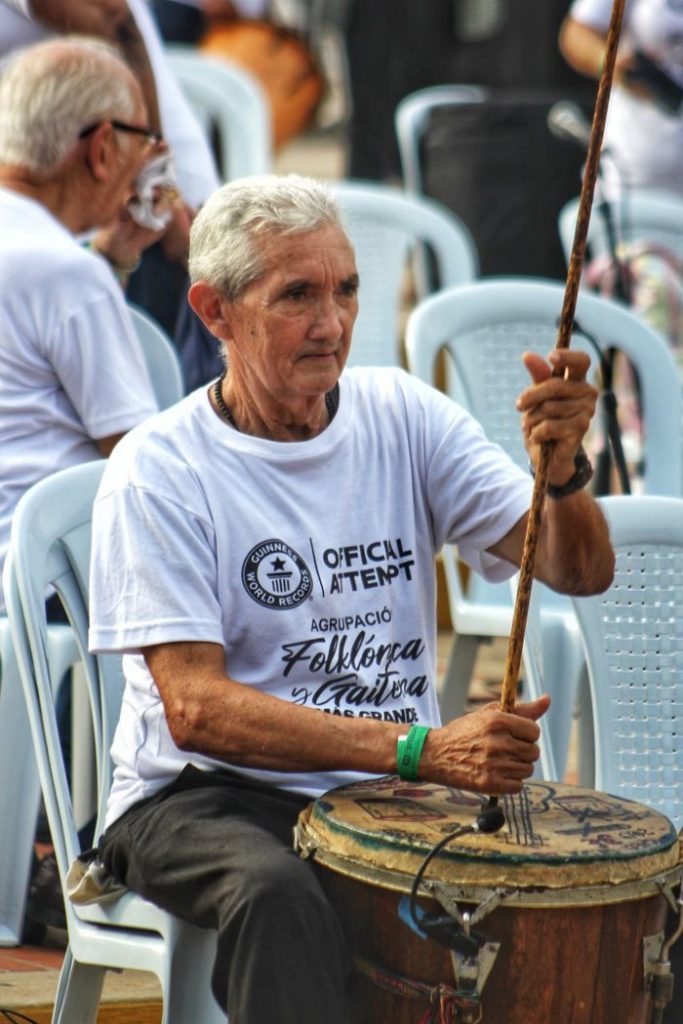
<point>216,850</point>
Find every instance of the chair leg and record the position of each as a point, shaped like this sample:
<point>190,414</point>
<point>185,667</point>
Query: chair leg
<point>586,732</point>
<point>18,801</point>
<point>78,992</point>
<point>189,1004</point>
<point>456,682</point>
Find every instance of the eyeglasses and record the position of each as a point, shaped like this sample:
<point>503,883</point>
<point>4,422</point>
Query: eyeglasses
<point>153,138</point>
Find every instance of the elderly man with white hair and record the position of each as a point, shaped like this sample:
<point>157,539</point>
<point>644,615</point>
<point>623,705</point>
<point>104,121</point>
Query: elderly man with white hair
<point>73,137</point>
<point>128,25</point>
<point>263,553</point>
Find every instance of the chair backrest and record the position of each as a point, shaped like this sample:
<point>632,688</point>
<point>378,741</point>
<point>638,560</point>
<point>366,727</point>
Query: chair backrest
<point>412,117</point>
<point>51,546</point>
<point>230,100</point>
<point>161,356</point>
<point>642,215</point>
<point>486,326</point>
<point>633,638</point>
<point>386,227</point>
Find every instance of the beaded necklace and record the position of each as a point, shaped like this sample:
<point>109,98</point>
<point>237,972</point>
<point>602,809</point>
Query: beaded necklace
<point>331,401</point>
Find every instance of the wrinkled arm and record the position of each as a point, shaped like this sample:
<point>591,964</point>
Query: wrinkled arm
<point>574,553</point>
<point>210,713</point>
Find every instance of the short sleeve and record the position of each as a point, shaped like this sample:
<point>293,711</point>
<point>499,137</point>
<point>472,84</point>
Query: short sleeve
<point>101,368</point>
<point>476,493</point>
<point>153,570</point>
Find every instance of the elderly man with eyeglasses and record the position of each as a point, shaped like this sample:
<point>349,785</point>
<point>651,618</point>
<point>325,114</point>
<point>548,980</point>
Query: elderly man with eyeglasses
<point>74,135</point>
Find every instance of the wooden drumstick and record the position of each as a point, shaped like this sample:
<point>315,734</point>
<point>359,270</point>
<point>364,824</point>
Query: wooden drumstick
<point>526,572</point>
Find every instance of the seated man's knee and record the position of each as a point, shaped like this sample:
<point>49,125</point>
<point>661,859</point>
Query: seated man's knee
<point>285,892</point>
<point>281,878</point>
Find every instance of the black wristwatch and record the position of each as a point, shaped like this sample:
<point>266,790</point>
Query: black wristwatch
<point>583,473</point>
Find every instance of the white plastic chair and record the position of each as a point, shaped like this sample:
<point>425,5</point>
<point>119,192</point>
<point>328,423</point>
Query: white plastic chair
<point>19,802</point>
<point>228,98</point>
<point>20,786</point>
<point>161,357</point>
<point>51,545</point>
<point>412,117</point>
<point>633,638</point>
<point>641,215</point>
<point>386,226</point>
<point>485,327</point>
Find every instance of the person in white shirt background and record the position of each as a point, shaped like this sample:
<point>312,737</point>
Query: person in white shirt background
<point>160,283</point>
<point>74,134</point>
<point>643,135</point>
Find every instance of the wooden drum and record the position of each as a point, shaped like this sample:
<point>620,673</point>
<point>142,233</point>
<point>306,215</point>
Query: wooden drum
<point>566,903</point>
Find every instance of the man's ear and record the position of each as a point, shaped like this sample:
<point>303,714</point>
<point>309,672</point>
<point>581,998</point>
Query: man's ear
<point>210,307</point>
<point>99,153</point>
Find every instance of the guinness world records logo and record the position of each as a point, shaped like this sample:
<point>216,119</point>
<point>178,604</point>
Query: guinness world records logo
<point>276,576</point>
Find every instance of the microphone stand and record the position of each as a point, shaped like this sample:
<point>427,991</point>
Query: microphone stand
<point>566,122</point>
<point>612,447</point>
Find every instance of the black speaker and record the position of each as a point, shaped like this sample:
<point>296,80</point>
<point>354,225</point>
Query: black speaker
<point>397,46</point>
<point>496,164</point>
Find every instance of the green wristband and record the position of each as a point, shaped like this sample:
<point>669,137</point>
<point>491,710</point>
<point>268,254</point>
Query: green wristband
<point>409,751</point>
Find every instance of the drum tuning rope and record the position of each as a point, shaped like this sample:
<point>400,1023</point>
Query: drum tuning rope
<point>566,324</point>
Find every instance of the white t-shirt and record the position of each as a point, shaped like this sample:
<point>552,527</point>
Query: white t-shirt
<point>644,144</point>
<point>71,368</point>
<point>194,162</point>
<point>311,563</point>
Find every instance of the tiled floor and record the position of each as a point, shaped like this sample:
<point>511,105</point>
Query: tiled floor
<point>28,981</point>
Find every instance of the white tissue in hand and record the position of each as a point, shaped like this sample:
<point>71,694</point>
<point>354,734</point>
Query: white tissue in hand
<point>156,176</point>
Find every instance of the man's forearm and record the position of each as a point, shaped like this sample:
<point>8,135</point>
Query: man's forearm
<point>575,554</point>
<point>209,713</point>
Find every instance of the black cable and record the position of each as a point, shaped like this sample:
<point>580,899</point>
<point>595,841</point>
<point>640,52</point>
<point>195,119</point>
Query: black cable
<point>14,1016</point>
<point>417,881</point>
<point>622,280</point>
<point>490,819</point>
<point>609,405</point>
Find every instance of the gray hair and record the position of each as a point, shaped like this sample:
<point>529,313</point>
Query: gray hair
<point>223,239</point>
<point>53,90</point>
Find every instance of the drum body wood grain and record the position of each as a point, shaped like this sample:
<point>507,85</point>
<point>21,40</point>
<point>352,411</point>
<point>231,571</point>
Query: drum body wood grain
<point>569,953</point>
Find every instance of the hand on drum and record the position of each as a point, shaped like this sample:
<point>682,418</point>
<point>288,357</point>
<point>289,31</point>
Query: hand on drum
<point>488,751</point>
<point>557,408</point>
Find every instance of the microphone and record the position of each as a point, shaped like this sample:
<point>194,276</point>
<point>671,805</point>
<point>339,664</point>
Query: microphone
<point>566,121</point>
<point>490,819</point>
